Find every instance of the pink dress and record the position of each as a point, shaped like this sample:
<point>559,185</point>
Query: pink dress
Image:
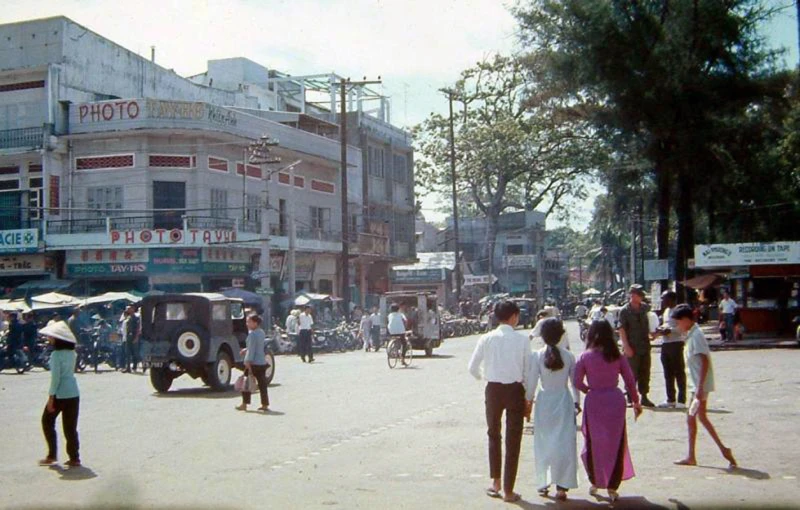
<point>605,454</point>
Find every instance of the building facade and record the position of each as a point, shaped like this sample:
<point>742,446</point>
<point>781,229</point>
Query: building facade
<point>118,172</point>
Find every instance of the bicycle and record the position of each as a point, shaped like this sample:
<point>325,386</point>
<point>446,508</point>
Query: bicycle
<point>399,348</point>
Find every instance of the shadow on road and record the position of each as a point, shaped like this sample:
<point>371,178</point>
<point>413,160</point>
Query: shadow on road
<point>268,413</point>
<point>632,502</point>
<point>74,474</point>
<point>437,356</point>
<point>752,474</point>
<point>198,393</point>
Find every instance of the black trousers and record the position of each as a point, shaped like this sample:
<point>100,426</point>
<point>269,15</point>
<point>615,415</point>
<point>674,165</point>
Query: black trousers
<point>131,354</point>
<point>640,366</point>
<point>304,345</point>
<point>260,373</point>
<point>511,399</point>
<point>674,370</point>
<point>69,423</point>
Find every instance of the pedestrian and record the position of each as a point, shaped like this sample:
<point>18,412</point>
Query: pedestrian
<point>634,331</point>
<point>501,358</point>
<point>64,396</point>
<point>364,331</point>
<point>29,332</point>
<point>255,362</point>
<point>727,308</point>
<point>375,330</point>
<point>554,443</point>
<point>672,354</point>
<point>357,314</point>
<point>701,377</point>
<point>131,329</point>
<point>14,336</point>
<point>293,327</point>
<point>536,332</point>
<point>605,453</point>
<point>305,321</point>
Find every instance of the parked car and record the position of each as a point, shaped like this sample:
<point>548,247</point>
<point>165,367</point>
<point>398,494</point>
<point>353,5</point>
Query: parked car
<point>196,334</point>
<point>527,312</point>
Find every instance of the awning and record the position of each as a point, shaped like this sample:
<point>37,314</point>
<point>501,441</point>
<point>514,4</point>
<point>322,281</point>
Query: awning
<point>53,299</point>
<point>110,297</point>
<point>703,281</point>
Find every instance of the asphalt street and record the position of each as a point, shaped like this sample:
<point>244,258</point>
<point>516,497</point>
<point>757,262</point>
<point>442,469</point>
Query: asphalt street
<point>348,432</point>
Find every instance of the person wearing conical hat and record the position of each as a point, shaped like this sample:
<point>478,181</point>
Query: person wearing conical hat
<point>63,397</point>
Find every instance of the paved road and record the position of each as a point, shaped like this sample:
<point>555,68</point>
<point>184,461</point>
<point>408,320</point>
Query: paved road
<point>347,432</point>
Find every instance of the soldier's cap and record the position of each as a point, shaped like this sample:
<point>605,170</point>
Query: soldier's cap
<point>682,312</point>
<point>637,289</point>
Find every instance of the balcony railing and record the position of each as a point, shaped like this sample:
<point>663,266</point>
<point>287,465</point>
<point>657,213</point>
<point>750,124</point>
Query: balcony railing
<point>21,137</point>
<point>105,224</point>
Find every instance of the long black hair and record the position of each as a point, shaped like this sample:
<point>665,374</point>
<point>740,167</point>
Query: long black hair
<point>552,330</point>
<point>601,337</point>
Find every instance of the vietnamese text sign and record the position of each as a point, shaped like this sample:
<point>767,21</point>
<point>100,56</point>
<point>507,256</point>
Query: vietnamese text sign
<point>22,264</point>
<point>485,279</point>
<point>161,236</point>
<point>417,275</point>
<point>747,254</point>
<point>520,261</point>
<point>25,240</point>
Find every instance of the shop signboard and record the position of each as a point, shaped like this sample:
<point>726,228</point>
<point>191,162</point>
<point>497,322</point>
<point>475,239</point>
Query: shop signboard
<point>656,270</point>
<point>417,275</point>
<point>106,262</point>
<point>747,254</point>
<point>485,279</point>
<point>22,264</point>
<point>521,261</point>
<point>24,240</point>
<point>193,237</point>
<point>175,260</point>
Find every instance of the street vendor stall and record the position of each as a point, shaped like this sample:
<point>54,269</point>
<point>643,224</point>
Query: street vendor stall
<point>763,278</point>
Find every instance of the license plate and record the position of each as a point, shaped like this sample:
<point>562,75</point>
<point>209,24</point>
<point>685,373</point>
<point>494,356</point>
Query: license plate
<point>153,364</point>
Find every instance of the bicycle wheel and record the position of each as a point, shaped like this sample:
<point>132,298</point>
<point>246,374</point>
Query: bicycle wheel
<point>409,356</point>
<point>393,353</point>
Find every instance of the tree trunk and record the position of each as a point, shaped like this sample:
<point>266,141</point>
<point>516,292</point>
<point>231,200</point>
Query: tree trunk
<point>664,205</point>
<point>492,222</point>
<point>685,232</point>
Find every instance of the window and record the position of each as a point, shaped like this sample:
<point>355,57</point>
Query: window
<point>9,170</point>
<point>9,185</point>
<point>321,218</point>
<point>400,170</point>
<point>253,171</point>
<point>375,161</point>
<point>514,249</point>
<point>171,198</point>
<point>104,200</point>
<point>253,212</point>
<point>219,312</point>
<point>55,195</point>
<point>35,197</point>
<point>282,217</point>
<point>219,203</point>
<point>103,162</point>
<point>284,178</point>
<point>34,168</point>
<point>218,164</point>
<point>167,161</point>
<point>177,311</point>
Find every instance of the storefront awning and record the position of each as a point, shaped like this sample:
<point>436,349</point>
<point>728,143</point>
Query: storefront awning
<point>703,281</point>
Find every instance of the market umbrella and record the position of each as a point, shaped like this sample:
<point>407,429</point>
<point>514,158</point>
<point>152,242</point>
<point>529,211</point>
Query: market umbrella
<point>109,297</point>
<point>591,292</point>
<point>53,299</point>
<point>249,298</point>
<point>307,297</point>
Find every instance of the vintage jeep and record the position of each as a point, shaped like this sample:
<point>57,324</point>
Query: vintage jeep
<point>196,334</point>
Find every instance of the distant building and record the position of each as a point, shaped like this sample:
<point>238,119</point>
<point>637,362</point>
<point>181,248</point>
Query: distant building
<point>427,236</point>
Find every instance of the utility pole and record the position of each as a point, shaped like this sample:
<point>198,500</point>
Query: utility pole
<point>259,154</point>
<point>449,93</point>
<point>290,256</point>
<point>343,85</point>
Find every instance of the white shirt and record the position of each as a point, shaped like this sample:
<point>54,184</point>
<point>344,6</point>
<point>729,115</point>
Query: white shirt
<point>306,321</point>
<point>697,346</point>
<point>397,325</point>
<point>536,332</point>
<point>375,318</point>
<point>501,356</point>
<point>291,325</point>
<point>728,306</point>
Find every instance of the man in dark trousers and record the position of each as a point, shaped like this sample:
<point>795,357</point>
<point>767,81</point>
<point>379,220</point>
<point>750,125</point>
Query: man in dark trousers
<point>131,329</point>
<point>501,358</point>
<point>306,322</point>
<point>634,331</point>
<point>672,354</point>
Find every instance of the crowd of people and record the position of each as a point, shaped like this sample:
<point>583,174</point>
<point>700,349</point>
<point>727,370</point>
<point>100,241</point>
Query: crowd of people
<point>548,382</point>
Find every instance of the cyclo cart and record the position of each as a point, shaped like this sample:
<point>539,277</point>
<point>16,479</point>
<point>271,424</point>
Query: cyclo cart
<point>422,312</point>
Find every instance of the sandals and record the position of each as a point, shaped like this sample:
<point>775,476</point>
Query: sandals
<point>613,495</point>
<point>512,498</point>
<point>686,462</point>
<point>561,495</point>
<point>493,493</point>
<point>544,492</point>
<point>264,408</point>
<point>593,490</point>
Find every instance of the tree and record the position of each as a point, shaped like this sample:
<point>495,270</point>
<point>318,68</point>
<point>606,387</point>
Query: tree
<point>666,74</point>
<point>511,154</point>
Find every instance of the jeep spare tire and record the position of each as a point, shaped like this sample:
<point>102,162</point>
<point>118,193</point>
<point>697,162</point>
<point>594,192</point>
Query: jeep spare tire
<point>219,372</point>
<point>191,345</point>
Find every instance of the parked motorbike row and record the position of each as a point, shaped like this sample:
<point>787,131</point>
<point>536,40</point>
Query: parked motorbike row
<point>454,327</point>
<point>341,338</point>
<point>26,358</point>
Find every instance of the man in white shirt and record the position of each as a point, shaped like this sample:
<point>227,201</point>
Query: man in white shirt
<point>305,321</point>
<point>727,307</point>
<point>365,331</point>
<point>375,331</point>
<point>396,325</point>
<point>672,354</point>
<point>501,358</point>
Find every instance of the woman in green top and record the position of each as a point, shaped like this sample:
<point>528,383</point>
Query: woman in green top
<point>63,395</point>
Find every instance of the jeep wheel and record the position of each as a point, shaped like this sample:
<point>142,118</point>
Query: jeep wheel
<point>161,379</point>
<point>270,373</point>
<point>190,345</point>
<point>219,372</point>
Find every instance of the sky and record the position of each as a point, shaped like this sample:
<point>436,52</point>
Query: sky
<point>415,46</point>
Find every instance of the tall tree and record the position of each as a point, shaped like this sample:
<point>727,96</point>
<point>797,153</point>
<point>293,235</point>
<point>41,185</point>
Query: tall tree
<point>513,152</point>
<point>664,72</point>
